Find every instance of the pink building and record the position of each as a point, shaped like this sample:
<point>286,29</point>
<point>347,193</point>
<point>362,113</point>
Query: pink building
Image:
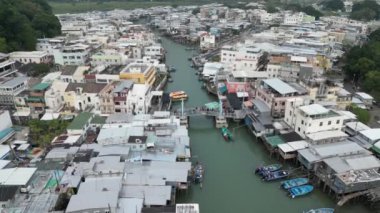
<point>274,93</point>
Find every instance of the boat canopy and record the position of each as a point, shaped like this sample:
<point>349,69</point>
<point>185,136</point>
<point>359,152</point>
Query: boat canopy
<point>212,105</point>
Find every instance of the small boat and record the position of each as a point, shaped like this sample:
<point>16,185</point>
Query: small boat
<point>300,190</point>
<point>321,210</point>
<point>265,169</point>
<point>276,175</point>
<point>178,95</point>
<point>172,69</point>
<point>294,182</point>
<point>189,59</point>
<point>227,135</point>
<point>198,173</point>
<point>170,80</point>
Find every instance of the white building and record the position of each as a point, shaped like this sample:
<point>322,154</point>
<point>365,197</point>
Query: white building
<point>154,51</point>
<point>241,59</point>
<point>54,96</point>
<point>49,44</point>
<point>137,99</point>
<point>11,87</point>
<point>207,41</point>
<point>5,119</point>
<point>77,54</point>
<point>7,66</point>
<point>306,119</point>
<point>30,57</point>
<point>108,57</point>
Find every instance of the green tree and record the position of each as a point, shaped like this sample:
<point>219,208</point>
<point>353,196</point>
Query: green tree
<point>375,35</point>
<point>362,114</point>
<point>371,83</point>
<point>3,45</point>
<point>333,5</point>
<point>365,11</point>
<point>22,21</point>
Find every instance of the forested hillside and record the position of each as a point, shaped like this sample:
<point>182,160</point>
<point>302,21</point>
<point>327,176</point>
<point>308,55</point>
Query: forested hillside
<point>23,21</point>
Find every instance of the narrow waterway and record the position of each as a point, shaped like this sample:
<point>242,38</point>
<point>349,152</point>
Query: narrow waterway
<point>230,185</point>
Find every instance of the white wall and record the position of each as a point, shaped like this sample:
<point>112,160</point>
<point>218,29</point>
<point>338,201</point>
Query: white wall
<point>5,119</point>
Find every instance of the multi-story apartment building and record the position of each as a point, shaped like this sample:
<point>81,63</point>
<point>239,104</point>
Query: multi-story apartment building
<point>274,93</point>
<point>155,51</point>
<point>7,67</point>
<point>11,87</point>
<point>77,54</point>
<point>239,59</point>
<point>49,44</point>
<point>307,119</point>
<point>140,73</point>
<point>113,98</point>
<point>36,99</point>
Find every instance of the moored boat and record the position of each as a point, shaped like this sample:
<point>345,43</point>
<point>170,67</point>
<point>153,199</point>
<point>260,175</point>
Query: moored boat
<point>287,184</point>
<point>198,173</point>
<point>178,96</point>
<point>276,175</point>
<point>300,190</point>
<point>227,135</point>
<point>321,210</point>
<point>265,169</point>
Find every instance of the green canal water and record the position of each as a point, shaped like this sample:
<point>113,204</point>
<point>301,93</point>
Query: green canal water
<point>230,185</point>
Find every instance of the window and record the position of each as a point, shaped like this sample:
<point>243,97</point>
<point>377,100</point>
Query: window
<point>337,121</point>
<point>302,122</point>
<point>329,123</point>
<point>89,99</point>
<point>299,129</point>
<point>321,124</point>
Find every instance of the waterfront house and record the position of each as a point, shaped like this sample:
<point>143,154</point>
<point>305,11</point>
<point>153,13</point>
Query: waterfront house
<point>350,174</point>
<point>259,121</point>
<point>137,99</point>
<point>274,93</point>
<point>139,73</point>
<point>307,119</point>
<point>311,157</point>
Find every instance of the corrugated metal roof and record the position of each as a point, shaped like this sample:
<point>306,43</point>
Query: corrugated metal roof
<point>372,134</point>
<point>16,176</point>
<point>280,86</point>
